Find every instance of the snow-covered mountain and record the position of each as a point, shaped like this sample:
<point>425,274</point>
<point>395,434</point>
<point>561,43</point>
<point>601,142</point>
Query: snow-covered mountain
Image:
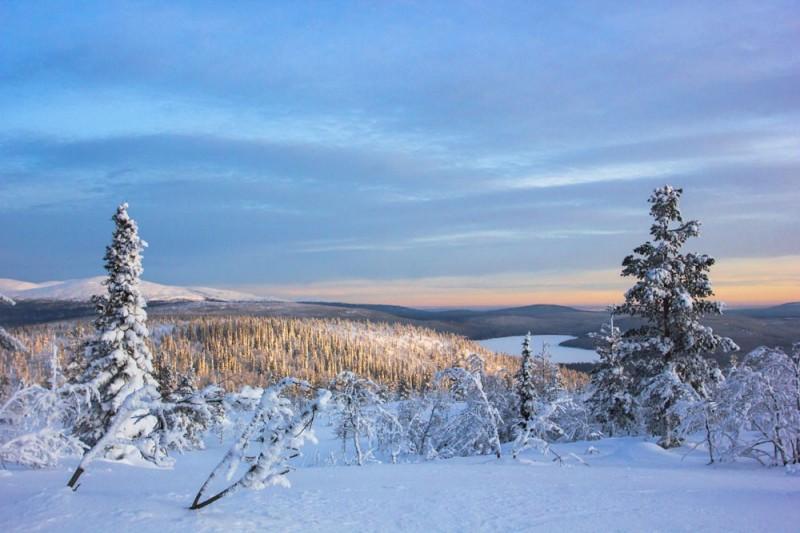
<point>83,289</point>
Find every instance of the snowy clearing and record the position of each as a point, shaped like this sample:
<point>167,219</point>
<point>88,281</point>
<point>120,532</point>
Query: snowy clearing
<point>630,485</point>
<point>559,354</point>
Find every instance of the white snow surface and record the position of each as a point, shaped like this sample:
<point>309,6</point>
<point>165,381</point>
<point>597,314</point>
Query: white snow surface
<point>630,485</point>
<point>83,289</point>
<point>558,354</point>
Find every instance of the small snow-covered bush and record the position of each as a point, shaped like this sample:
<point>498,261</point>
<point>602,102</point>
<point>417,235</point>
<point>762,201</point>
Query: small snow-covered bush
<point>188,414</point>
<point>473,428</point>
<point>758,408</point>
<point>36,422</point>
<point>357,410</point>
<point>422,418</point>
<point>362,416</point>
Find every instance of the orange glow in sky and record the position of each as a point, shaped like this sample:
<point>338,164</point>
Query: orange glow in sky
<point>737,282</point>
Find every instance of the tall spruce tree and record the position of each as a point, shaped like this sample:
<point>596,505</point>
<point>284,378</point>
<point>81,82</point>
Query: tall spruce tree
<point>119,362</point>
<point>670,348</point>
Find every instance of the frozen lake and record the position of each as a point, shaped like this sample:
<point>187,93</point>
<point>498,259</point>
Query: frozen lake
<point>559,354</point>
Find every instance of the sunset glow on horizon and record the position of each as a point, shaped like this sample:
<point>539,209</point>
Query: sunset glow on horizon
<point>737,283</point>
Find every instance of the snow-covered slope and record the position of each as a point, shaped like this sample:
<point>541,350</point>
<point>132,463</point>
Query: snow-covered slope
<point>83,289</point>
<point>13,286</point>
<point>630,485</point>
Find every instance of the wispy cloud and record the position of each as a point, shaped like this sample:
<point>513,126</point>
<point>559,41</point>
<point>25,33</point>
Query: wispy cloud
<point>597,174</point>
<point>464,238</point>
<point>467,238</point>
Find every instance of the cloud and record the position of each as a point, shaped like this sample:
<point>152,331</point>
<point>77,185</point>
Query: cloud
<point>281,159</point>
<point>597,174</point>
<point>459,239</point>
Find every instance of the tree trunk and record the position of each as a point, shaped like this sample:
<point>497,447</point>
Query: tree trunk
<point>710,444</point>
<point>359,453</point>
<point>74,479</point>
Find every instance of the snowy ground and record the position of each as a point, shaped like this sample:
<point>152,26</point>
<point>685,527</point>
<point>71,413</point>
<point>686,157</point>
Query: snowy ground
<point>559,354</point>
<point>631,485</point>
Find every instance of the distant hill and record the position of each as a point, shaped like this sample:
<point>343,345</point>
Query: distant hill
<point>82,290</point>
<point>536,310</point>
<point>787,310</point>
<point>750,328</point>
<point>395,310</point>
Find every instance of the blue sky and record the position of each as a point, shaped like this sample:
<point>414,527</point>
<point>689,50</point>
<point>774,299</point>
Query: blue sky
<point>430,153</point>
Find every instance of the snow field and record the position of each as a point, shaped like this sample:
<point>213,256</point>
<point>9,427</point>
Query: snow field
<point>630,485</point>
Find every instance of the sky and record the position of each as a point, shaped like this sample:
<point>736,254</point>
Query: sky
<point>417,153</point>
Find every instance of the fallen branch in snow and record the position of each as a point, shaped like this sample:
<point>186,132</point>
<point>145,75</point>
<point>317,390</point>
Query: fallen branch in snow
<point>281,432</point>
<point>581,461</point>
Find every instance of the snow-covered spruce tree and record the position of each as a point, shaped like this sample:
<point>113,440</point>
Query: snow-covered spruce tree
<point>474,430</point>
<point>119,364</point>
<point>553,413</point>
<point>611,399</point>
<point>533,387</point>
<point>276,432</point>
<point>525,386</point>
<point>7,340</point>
<point>671,347</point>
